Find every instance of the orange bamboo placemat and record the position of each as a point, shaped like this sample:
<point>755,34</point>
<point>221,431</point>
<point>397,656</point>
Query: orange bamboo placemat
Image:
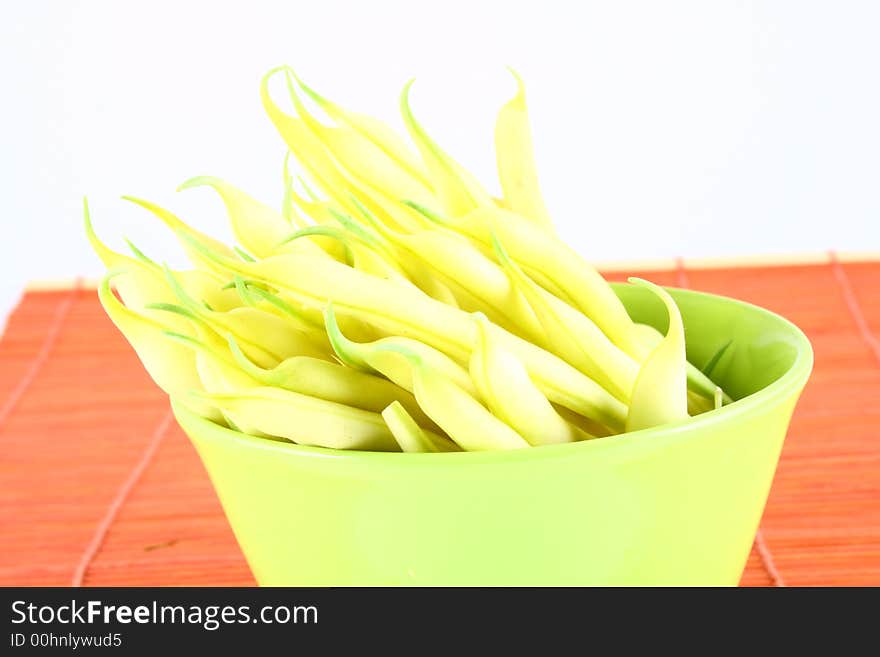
<point>100,487</point>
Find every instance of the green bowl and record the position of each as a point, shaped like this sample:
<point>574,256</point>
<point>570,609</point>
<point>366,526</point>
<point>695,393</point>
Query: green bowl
<point>675,505</point>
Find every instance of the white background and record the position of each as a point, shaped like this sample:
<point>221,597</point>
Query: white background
<point>661,128</point>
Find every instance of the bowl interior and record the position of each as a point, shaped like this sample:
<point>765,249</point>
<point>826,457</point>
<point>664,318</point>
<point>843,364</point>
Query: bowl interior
<point>763,346</point>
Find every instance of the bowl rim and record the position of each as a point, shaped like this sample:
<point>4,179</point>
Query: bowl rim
<point>787,384</point>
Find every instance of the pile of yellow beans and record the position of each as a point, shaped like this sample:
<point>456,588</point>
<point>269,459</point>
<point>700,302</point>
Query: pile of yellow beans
<point>391,303</point>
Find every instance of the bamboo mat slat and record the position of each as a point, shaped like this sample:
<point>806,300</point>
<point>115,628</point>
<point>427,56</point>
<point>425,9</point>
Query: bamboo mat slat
<point>100,487</point>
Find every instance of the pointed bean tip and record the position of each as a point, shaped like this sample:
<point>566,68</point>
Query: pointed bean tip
<point>404,103</point>
<point>113,273</point>
<point>497,246</point>
<point>409,354</point>
<point>147,205</point>
<point>140,255</point>
<point>271,107</point>
<point>310,92</point>
<point>198,181</point>
<point>426,212</point>
<point>264,81</point>
<point>87,218</point>
<point>418,207</point>
<point>516,76</point>
<point>339,214</point>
